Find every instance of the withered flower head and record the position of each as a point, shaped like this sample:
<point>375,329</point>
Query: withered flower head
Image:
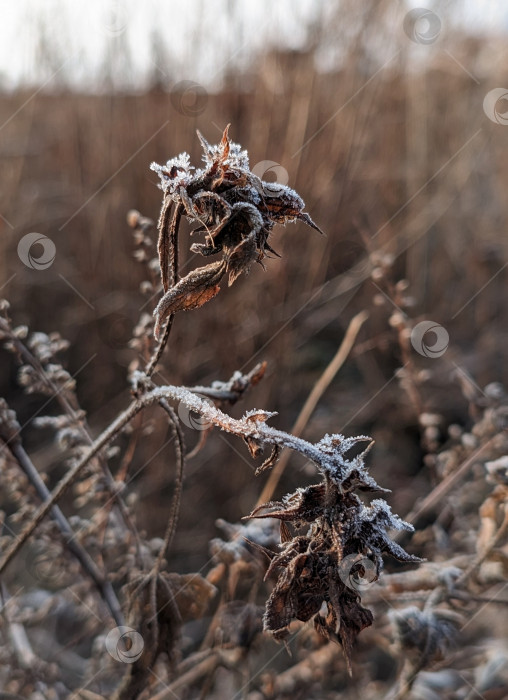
<point>322,571</point>
<point>235,211</point>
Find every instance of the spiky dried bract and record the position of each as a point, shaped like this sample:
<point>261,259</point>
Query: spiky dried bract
<point>234,208</point>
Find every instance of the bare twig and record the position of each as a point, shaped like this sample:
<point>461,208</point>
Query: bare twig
<point>251,426</point>
<point>221,657</point>
<point>104,439</point>
<point>91,569</point>
<point>449,482</point>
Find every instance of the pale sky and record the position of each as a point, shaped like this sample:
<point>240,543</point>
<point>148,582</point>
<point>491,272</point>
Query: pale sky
<point>201,38</point>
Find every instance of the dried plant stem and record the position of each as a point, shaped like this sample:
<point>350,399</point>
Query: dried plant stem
<point>172,519</point>
<point>221,657</point>
<point>444,488</point>
<point>168,253</point>
<point>494,541</point>
<point>84,694</point>
<point>290,683</point>
<point>20,644</point>
<point>105,438</point>
<point>177,494</point>
<point>152,363</point>
<point>244,427</point>
<point>310,404</point>
<point>91,569</point>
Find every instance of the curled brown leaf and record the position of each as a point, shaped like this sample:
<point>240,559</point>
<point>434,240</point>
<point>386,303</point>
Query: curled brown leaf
<point>194,290</point>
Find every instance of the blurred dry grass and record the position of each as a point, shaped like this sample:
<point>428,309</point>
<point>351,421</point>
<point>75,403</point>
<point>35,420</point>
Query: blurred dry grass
<point>401,161</point>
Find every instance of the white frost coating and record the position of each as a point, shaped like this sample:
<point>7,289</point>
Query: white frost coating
<point>181,168</point>
<point>327,454</point>
<point>250,193</point>
<point>260,415</point>
<point>379,509</point>
<point>237,158</point>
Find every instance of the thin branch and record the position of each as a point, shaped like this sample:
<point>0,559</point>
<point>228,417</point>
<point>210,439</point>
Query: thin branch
<point>104,439</point>
<point>251,426</point>
<point>445,486</point>
<point>177,494</point>
<point>478,560</point>
<point>90,568</point>
<point>221,657</point>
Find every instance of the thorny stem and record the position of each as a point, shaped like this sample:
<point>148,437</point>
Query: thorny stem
<point>102,584</point>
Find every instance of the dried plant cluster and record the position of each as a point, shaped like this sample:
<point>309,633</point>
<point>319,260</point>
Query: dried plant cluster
<point>107,598</point>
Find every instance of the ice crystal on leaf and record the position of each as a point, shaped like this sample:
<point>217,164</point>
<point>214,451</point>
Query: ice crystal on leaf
<point>175,174</point>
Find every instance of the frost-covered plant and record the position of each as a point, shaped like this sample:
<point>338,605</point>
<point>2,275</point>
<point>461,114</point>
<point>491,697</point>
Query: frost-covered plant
<point>329,542</point>
<point>235,210</point>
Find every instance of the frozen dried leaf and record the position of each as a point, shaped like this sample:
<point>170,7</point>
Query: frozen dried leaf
<point>270,462</point>
<point>257,416</point>
<point>255,446</point>
<point>191,292</point>
<point>242,257</point>
<point>168,225</point>
<point>306,218</point>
